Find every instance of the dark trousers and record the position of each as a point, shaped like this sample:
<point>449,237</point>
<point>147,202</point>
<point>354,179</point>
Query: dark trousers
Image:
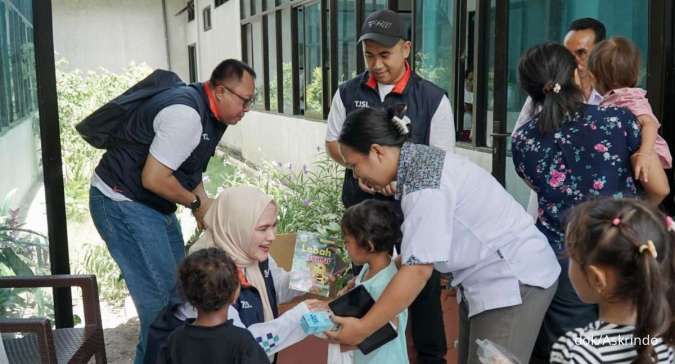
<point>565,313</point>
<point>426,320</point>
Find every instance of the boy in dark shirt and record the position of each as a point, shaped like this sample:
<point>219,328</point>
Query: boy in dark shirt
<point>209,280</point>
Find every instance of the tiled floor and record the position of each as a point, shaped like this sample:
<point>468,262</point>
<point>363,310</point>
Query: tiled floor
<point>314,350</point>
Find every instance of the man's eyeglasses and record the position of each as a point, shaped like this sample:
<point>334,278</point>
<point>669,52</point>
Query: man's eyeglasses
<point>246,102</point>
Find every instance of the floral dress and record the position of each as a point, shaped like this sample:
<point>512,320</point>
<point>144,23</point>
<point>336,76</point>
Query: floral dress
<point>587,157</point>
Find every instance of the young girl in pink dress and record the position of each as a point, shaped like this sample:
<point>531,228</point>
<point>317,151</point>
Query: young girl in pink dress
<point>615,65</point>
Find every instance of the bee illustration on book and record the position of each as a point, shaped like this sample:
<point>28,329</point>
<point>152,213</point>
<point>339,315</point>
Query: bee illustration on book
<point>314,261</point>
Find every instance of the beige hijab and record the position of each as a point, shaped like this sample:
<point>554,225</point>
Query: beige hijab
<point>229,226</point>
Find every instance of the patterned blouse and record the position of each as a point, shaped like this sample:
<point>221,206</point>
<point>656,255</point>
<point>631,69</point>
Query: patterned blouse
<point>587,157</point>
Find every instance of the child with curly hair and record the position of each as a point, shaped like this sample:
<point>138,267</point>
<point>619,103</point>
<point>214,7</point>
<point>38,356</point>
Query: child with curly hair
<point>209,280</point>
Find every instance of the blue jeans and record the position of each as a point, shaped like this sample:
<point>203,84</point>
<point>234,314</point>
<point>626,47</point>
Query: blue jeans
<point>147,246</point>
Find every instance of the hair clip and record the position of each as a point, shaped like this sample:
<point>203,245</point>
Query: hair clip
<point>649,247</point>
<point>616,221</point>
<point>552,87</point>
<point>670,224</point>
<point>401,124</point>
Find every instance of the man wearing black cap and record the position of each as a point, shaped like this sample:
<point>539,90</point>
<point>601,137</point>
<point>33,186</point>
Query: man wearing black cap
<point>388,82</point>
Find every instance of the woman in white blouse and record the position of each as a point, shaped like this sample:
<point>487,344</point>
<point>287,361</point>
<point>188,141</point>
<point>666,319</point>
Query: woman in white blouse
<point>458,220</point>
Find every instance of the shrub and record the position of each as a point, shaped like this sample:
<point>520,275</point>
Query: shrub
<point>80,94</point>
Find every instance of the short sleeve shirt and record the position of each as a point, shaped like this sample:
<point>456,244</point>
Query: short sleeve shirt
<point>460,219</point>
<point>587,157</point>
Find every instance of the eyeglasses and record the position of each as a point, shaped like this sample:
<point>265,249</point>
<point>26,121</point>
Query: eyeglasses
<point>246,102</point>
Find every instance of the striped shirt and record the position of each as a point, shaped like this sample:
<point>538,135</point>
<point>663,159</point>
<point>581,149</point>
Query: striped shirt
<point>603,342</point>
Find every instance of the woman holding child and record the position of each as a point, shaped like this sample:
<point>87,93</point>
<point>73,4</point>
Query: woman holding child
<point>459,220</point>
<point>571,152</point>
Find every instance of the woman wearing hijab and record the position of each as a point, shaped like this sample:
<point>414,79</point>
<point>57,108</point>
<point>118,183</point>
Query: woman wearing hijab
<point>242,222</point>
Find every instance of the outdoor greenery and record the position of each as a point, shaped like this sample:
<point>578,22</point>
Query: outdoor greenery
<point>308,198</point>
<point>80,94</point>
<point>23,252</point>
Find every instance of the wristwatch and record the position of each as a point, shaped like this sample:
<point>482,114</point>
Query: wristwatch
<point>194,205</point>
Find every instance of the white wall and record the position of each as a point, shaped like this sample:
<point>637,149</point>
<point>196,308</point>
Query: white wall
<point>270,137</point>
<point>109,33</point>
<point>19,154</point>
<point>222,41</point>
<point>177,33</point>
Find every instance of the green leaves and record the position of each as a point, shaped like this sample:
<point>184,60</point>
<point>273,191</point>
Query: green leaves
<point>80,94</point>
<point>97,260</point>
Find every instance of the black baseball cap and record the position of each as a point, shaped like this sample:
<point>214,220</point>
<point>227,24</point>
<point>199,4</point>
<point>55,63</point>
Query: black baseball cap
<point>384,27</point>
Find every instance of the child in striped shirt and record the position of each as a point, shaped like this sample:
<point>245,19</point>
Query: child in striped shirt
<point>621,258</point>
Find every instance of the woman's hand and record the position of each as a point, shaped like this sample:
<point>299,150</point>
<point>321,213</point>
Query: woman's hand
<point>316,305</point>
<point>350,331</point>
<point>201,212</point>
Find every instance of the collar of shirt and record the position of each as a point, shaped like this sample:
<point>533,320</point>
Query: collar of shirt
<point>212,100</point>
<point>405,160</point>
<point>595,98</point>
<point>242,278</point>
<point>400,85</point>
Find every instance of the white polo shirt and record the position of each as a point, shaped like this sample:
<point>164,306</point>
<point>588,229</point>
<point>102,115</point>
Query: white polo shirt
<point>460,219</point>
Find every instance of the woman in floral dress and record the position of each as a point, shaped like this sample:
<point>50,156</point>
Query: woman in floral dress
<point>568,153</point>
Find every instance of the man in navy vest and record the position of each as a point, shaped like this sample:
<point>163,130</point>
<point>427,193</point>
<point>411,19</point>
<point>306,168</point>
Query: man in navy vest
<point>389,82</point>
<point>155,162</point>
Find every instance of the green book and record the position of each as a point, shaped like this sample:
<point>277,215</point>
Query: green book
<point>314,260</point>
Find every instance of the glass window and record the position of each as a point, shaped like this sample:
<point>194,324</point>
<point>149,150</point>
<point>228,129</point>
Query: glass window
<point>374,5</point>
<point>191,11</point>
<point>272,62</point>
<point>256,61</point>
<point>5,86</point>
<point>207,18</point>
<point>346,40</point>
<point>256,7</point>
<point>534,22</point>
<point>192,62</point>
<point>313,72</point>
<point>490,29</point>
<point>434,52</point>
<point>404,5</point>
<point>287,59</point>
<point>245,8</point>
<point>301,59</point>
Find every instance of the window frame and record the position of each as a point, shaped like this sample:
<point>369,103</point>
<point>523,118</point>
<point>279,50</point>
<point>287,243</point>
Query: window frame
<point>206,18</point>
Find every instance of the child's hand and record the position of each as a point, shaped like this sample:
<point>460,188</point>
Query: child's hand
<point>388,190</point>
<point>347,287</point>
<point>316,305</point>
<point>641,165</point>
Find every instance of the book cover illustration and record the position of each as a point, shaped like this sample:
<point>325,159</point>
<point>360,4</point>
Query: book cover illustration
<point>314,260</point>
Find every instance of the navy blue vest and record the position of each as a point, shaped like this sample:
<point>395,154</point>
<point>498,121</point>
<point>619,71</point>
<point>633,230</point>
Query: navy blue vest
<point>122,164</point>
<point>419,95</point>
<point>249,304</point>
